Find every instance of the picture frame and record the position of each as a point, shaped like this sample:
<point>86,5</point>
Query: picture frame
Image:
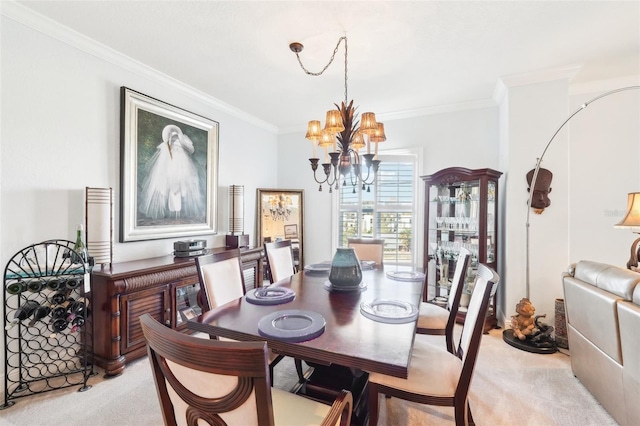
<point>280,216</point>
<point>168,170</point>
<point>290,231</point>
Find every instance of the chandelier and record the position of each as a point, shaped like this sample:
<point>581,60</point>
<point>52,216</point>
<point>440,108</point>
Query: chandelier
<point>280,207</point>
<point>342,137</point>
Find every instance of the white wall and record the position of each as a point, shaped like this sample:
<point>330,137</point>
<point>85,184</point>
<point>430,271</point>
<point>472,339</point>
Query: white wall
<point>595,160</point>
<point>60,133</point>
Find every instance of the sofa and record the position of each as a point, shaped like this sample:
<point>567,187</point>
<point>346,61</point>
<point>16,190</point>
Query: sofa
<point>602,306</point>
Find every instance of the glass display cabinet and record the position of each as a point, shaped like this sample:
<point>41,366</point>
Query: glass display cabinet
<point>461,210</point>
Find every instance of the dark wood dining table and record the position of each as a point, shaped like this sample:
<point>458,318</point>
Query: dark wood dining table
<point>350,339</point>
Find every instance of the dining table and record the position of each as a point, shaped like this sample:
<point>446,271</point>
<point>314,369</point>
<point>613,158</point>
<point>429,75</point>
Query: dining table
<point>368,328</point>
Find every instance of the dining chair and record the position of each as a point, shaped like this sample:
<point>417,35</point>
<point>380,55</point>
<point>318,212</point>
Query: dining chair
<point>279,256</point>
<point>222,281</point>
<point>368,249</point>
<point>436,376</point>
<point>436,320</point>
<point>220,382</point>
<point>280,264</point>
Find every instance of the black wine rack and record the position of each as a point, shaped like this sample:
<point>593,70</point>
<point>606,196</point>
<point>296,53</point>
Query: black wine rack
<point>48,331</point>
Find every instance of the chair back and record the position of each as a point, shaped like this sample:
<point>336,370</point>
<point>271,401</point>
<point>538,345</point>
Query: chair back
<point>484,288</point>
<point>221,277</point>
<point>216,381</point>
<point>368,249</point>
<point>457,283</point>
<point>279,260</point>
<point>455,294</point>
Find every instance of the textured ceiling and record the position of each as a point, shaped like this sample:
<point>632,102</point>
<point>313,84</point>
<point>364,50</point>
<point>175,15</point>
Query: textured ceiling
<point>403,55</point>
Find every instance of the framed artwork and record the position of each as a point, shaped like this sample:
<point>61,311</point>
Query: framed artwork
<point>280,216</point>
<point>168,170</point>
<point>290,231</point>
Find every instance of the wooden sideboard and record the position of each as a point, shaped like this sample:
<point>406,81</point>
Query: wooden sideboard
<point>160,286</point>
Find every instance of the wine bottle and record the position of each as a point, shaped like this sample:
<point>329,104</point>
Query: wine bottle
<point>60,311</point>
<point>40,312</point>
<point>55,284</point>
<point>76,323</point>
<point>59,324</point>
<point>80,306</point>
<point>35,285</point>
<point>16,287</point>
<point>73,283</point>
<point>58,297</point>
<point>22,313</point>
<point>80,247</point>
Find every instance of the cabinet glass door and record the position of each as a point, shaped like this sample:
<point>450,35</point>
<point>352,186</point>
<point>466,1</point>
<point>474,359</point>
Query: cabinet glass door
<point>187,303</point>
<point>454,223</point>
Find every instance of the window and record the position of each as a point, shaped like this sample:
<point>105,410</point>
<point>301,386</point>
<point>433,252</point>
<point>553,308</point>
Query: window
<point>387,211</point>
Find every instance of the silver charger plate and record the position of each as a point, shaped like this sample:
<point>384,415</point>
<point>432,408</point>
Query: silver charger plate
<point>328,285</point>
<point>389,311</point>
<point>405,276</point>
<point>270,295</point>
<point>292,325</point>
<point>367,265</point>
<point>318,268</point>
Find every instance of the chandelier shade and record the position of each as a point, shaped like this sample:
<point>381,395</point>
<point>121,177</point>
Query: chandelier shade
<point>343,135</point>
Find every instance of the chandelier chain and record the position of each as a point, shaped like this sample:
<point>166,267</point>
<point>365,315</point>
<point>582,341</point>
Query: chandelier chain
<point>330,62</point>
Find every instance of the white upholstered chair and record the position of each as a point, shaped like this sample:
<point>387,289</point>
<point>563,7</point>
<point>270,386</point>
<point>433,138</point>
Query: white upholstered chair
<point>279,257</point>
<point>436,320</point>
<point>368,249</point>
<point>437,376</point>
<point>222,281</point>
<point>201,381</point>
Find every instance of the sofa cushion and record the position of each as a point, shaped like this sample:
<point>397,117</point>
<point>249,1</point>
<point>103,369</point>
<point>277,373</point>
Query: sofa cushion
<point>636,295</point>
<point>613,279</point>
<point>592,312</point>
<point>601,375</point>
<point>629,320</point>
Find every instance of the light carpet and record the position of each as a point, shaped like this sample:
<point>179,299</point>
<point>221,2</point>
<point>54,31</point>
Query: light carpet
<point>510,387</point>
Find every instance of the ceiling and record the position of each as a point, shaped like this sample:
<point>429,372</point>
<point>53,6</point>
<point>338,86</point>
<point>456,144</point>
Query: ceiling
<point>404,56</point>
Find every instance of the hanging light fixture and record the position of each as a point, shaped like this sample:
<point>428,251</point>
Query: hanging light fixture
<point>280,207</point>
<point>342,137</point>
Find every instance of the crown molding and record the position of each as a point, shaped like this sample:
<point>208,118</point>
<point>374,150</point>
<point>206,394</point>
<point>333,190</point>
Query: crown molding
<point>412,113</point>
<point>533,77</point>
<point>40,23</point>
<point>604,85</point>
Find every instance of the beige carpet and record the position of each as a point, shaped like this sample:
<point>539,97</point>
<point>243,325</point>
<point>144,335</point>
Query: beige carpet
<point>510,387</point>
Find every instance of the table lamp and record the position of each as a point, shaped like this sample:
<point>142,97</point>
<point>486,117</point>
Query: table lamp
<point>236,237</point>
<point>632,220</point>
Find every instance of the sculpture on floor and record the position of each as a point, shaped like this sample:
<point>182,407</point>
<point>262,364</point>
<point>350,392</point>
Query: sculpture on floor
<point>527,327</point>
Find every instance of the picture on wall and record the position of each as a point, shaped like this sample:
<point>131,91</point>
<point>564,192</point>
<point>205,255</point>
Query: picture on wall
<point>168,170</point>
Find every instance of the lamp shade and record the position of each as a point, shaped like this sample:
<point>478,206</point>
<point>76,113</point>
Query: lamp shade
<point>357,140</point>
<point>327,139</point>
<point>314,130</point>
<point>236,209</point>
<point>378,135</point>
<point>334,122</point>
<point>368,124</point>
<point>99,217</point>
<point>632,217</point>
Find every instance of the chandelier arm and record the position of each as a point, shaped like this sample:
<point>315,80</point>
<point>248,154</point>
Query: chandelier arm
<point>330,60</point>
<point>537,169</point>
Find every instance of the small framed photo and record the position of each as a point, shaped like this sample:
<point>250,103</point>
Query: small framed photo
<point>290,232</point>
<point>168,170</point>
<point>188,314</point>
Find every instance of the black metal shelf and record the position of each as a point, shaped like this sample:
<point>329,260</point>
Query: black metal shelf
<point>51,348</point>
